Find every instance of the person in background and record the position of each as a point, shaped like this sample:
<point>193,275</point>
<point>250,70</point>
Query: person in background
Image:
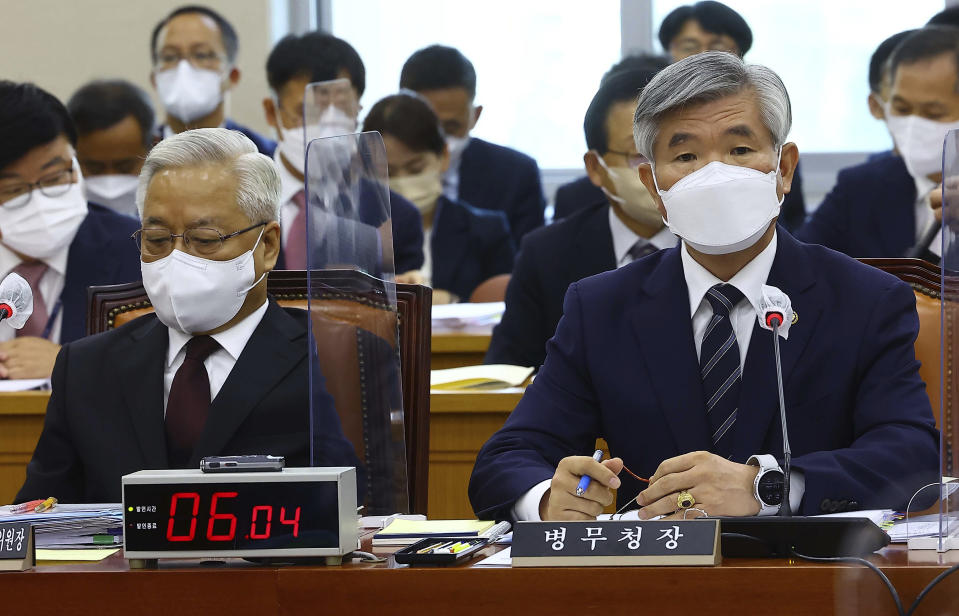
<point>464,245</point>
<point>295,62</point>
<point>49,234</point>
<point>884,207</point>
<point>582,192</point>
<point>665,360</point>
<point>114,121</point>
<point>194,51</point>
<point>604,236</point>
<point>946,17</point>
<point>219,368</point>
<point>879,77</point>
<point>483,174</point>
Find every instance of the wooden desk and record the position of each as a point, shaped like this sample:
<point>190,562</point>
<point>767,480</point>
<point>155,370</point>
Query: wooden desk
<point>21,420</point>
<point>460,347</point>
<point>738,586</point>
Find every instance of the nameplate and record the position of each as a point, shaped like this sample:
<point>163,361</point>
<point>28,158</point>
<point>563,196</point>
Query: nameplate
<point>616,543</point>
<point>17,546</point>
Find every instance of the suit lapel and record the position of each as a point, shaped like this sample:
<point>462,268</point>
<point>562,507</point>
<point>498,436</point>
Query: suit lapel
<point>896,201</point>
<point>665,336</point>
<point>276,346</point>
<point>141,358</point>
<point>759,402</point>
<point>449,241</point>
<point>85,266</point>
<point>593,247</point>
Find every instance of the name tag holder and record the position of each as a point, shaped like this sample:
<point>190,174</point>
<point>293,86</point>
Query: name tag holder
<point>17,546</point>
<point>611,543</point>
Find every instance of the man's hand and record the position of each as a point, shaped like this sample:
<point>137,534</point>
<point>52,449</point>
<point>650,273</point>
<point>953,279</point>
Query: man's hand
<point>560,501</point>
<point>410,277</point>
<point>27,358</point>
<point>720,487</point>
<point>935,201</point>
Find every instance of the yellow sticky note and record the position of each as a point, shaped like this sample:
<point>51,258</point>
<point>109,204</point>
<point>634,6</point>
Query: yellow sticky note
<point>90,555</point>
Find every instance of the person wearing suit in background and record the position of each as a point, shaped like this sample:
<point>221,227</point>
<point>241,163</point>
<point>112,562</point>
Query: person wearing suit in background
<point>194,50</point>
<point>884,206</point>
<point>483,174</point>
<point>49,234</point>
<point>602,237</point>
<point>114,121</point>
<point>713,26</point>
<point>634,343</point>
<point>464,245</point>
<point>581,192</point>
<point>294,63</point>
<point>219,368</point>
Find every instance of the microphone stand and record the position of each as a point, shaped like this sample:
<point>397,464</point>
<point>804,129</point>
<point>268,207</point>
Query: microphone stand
<point>784,509</point>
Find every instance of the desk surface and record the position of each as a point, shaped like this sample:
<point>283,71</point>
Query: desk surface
<point>738,586</point>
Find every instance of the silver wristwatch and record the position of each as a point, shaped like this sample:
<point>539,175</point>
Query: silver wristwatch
<point>768,485</point>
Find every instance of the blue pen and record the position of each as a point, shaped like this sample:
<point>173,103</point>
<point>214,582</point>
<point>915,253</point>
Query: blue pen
<point>585,479</point>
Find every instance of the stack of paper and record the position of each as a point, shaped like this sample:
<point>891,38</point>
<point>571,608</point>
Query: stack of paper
<point>24,384</point>
<point>462,316</point>
<point>921,526</point>
<point>408,532</point>
<point>490,376</point>
<point>90,525</point>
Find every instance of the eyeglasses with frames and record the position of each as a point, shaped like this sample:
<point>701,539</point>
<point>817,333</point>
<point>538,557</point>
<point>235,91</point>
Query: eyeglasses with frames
<point>156,242</point>
<point>634,160</point>
<point>14,196</point>
<point>207,59</point>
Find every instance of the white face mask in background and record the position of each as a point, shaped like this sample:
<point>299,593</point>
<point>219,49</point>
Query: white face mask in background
<point>192,294</point>
<point>117,192</point>
<point>45,224</point>
<point>333,122</point>
<point>189,93</point>
<point>422,189</point>
<point>719,208</point>
<point>456,145</point>
<point>631,195</point>
<point>919,142</point>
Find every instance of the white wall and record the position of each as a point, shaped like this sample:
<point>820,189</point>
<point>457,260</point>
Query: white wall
<point>62,44</point>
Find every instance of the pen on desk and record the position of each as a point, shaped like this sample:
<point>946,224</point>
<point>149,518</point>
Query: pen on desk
<point>25,507</point>
<point>585,479</point>
<point>46,505</point>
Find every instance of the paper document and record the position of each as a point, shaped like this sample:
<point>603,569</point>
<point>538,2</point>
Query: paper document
<point>73,526</point>
<point>879,517</point>
<point>921,526</point>
<point>461,316</point>
<point>490,376</point>
<point>500,559</point>
<point>23,384</point>
<point>91,555</point>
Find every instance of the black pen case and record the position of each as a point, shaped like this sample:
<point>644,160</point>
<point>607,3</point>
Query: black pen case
<point>409,555</point>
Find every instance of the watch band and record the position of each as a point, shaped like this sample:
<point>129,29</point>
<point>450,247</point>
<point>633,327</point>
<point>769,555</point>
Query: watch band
<point>766,463</point>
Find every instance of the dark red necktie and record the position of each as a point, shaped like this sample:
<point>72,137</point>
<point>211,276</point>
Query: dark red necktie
<point>189,401</point>
<point>296,240</point>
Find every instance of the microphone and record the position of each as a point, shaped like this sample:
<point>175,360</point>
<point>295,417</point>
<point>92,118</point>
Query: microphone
<point>922,245</point>
<point>16,301</point>
<point>776,314</point>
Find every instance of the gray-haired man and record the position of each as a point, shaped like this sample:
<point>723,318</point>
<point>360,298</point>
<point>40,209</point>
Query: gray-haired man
<point>219,369</point>
<point>653,356</point>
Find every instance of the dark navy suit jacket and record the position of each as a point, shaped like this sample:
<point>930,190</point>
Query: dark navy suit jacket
<point>102,252</point>
<point>469,246</point>
<point>623,366</point>
<point>870,212</point>
<point>581,193</point>
<point>494,177</point>
<point>550,260</point>
<point>264,144</point>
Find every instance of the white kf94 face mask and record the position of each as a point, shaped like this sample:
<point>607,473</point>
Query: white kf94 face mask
<point>719,208</point>
<point>189,93</point>
<point>192,294</point>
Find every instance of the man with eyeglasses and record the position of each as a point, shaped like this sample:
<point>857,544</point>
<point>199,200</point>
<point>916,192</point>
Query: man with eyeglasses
<point>219,369</point>
<point>49,234</point>
<point>604,236</point>
<point>194,52</point>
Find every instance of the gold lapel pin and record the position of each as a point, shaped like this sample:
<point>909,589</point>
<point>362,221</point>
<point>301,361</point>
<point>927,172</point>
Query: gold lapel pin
<point>795,317</point>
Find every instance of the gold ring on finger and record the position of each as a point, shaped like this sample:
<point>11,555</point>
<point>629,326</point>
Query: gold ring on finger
<point>685,500</point>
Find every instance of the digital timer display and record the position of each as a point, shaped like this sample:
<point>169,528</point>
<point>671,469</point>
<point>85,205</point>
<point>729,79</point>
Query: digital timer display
<point>230,516</point>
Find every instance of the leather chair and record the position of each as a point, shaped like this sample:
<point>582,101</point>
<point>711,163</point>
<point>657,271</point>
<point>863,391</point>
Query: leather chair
<point>491,290</point>
<point>926,281</point>
<point>351,316</point>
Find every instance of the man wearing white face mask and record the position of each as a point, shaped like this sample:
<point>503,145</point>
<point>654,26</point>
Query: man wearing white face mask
<point>114,121</point>
<point>49,234</point>
<point>219,369</point>
<point>194,51</point>
<point>665,359</point>
<point>601,237</point>
<point>333,66</point>
<point>885,206</point>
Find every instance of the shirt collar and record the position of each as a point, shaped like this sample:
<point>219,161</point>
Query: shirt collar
<point>232,340</point>
<point>289,184</point>
<point>749,280</point>
<point>57,262</point>
<point>625,238</point>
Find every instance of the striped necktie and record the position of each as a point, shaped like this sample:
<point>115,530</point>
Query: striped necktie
<point>720,367</point>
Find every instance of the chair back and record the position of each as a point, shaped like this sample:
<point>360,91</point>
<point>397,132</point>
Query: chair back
<point>351,321</point>
<point>491,290</point>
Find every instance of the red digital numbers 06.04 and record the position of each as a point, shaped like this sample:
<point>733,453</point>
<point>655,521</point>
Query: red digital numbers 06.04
<point>261,518</point>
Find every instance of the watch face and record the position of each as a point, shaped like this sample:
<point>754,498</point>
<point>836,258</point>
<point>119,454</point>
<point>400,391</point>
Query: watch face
<point>771,488</point>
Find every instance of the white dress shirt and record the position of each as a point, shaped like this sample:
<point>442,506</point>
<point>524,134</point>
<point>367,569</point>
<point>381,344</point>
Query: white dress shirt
<point>220,363</point>
<point>451,179</point>
<point>51,286</point>
<point>289,186</point>
<point>749,280</point>
<point>625,238</point>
